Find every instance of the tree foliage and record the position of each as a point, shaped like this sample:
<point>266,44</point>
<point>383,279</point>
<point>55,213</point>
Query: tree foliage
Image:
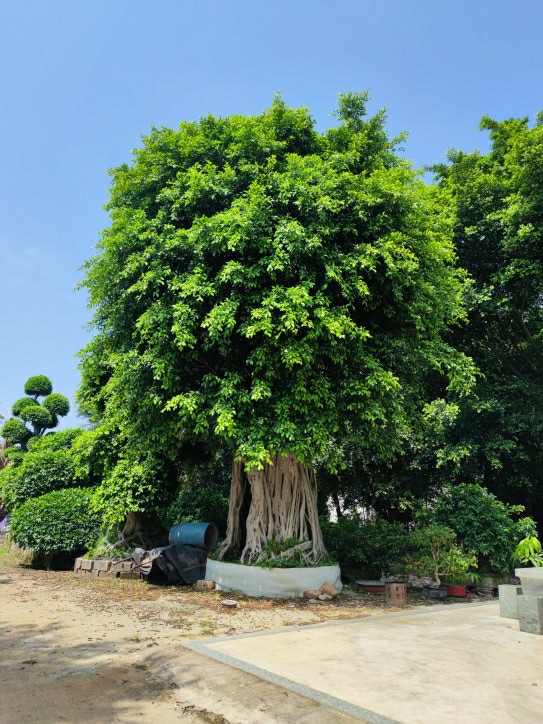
<point>497,202</point>
<point>263,284</point>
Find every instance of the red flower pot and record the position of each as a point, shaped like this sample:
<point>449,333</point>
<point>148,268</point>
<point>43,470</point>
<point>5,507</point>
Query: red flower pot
<point>457,591</point>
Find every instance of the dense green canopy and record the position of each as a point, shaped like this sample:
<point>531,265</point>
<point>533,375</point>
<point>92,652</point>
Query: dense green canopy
<point>498,206</point>
<point>276,288</point>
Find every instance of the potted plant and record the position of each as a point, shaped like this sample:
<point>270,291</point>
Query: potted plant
<point>435,553</point>
<point>457,583</point>
<point>529,550</point>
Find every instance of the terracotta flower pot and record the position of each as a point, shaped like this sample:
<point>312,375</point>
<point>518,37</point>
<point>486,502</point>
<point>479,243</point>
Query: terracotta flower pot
<point>457,591</point>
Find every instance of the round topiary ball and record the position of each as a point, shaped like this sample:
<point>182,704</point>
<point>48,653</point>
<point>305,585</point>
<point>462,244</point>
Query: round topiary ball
<point>57,404</point>
<point>15,432</point>
<point>39,385</point>
<point>36,414</point>
<point>19,406</point>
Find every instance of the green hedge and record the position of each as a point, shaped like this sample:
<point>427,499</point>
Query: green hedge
<point>57,522</point>
<point>373,547</point>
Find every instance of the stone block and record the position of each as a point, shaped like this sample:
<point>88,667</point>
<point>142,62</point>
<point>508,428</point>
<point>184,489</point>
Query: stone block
<point>102,565</point>
<point>77,564</point>
<point>120,566</point>
<point>530,613</point>
<point>86,564</point>
<point>129,574</point>
<point>509,596</point>
<point>204,585</point>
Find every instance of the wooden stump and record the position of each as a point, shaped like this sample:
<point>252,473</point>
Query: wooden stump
<point>395,594</point>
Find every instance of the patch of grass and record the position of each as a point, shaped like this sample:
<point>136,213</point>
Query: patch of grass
<point>207,627</point>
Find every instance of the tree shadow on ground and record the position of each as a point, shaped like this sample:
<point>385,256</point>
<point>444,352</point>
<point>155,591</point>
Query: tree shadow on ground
<point>46,680</point>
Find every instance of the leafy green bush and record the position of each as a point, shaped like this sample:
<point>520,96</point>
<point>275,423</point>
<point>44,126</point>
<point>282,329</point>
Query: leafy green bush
<point>42,472</point>
<point>56,522</point>
<point>9,477</point>
<point>47,465</point>
<point>483,524</point>
<point>19,406</point>
<point>374,547</point>
<point>38,386</point>
<point>41,416</point>
<point>36,414</point>
<point>58,440</point>
<point>57,404</point>
<point>434,552</point>
<point>15,431</point>
<point>199,498</point>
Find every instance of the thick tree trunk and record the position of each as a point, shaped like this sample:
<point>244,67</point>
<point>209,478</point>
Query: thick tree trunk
<point>142,530</point>
<point>282,505</point>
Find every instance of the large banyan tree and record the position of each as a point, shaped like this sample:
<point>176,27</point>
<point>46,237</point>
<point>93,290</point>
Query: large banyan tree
<point>274,288</point>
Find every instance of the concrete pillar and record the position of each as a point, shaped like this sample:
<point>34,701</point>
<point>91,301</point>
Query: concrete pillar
<point>509,596</point>
<point>530,610</point>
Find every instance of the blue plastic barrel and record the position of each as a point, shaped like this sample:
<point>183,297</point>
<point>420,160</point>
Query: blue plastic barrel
<point>201,535</point>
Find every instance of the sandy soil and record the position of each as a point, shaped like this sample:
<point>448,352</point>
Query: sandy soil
<point>78,649</point>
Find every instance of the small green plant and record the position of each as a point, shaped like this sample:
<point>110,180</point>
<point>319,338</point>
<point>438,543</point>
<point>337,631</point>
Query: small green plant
<point>291,553</point>
<point>529,550</point>
<point>435,553</point>
<point>207,627</point>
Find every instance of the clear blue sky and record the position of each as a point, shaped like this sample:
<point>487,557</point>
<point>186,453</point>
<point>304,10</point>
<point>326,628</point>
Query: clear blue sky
<point>82,81</point>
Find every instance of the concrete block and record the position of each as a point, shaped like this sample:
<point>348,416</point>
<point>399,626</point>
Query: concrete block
<point>530,611</point>
<point>509,596</point>
<point>86,564</point>
<point>77,564</point>
<point>204,585</point>
<point>102,565</point>
<point>129,574</point>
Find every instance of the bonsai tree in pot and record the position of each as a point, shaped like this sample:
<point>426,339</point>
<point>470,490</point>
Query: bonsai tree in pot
<point>436,553</point>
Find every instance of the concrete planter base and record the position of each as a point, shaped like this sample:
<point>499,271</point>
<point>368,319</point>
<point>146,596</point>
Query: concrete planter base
<point>271,582</point>
<point>531,580</point>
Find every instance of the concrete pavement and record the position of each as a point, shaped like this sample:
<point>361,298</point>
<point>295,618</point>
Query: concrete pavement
<point>453,663</point>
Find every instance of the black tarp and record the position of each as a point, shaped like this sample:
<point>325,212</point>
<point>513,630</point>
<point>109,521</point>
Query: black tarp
<point>172,565</point>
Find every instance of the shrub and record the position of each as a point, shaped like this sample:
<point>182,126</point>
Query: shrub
<point>19,406</point>
<point>42,472</point>
<point>375,547</point>
<point>434,552</point>
<point>202,496</point>
<point>47,465</point>
<point>58,440</point>
<point>38,386</point>
<point>60,521</point>
<point>37,415</point>
<point>483,524</point>
<point>57,404</point>
<point>15,431</point>
<point>9,478</point>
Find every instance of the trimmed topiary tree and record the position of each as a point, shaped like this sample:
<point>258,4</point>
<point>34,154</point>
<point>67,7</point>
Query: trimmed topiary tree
<point>40,416</point>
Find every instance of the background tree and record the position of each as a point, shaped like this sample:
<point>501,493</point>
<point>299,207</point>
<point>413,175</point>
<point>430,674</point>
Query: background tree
<point>279,290</point>
<point>497,200</point>
<point>41,416</point>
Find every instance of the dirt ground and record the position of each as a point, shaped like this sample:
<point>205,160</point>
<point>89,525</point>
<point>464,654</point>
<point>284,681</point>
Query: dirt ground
<point>80,649</point>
